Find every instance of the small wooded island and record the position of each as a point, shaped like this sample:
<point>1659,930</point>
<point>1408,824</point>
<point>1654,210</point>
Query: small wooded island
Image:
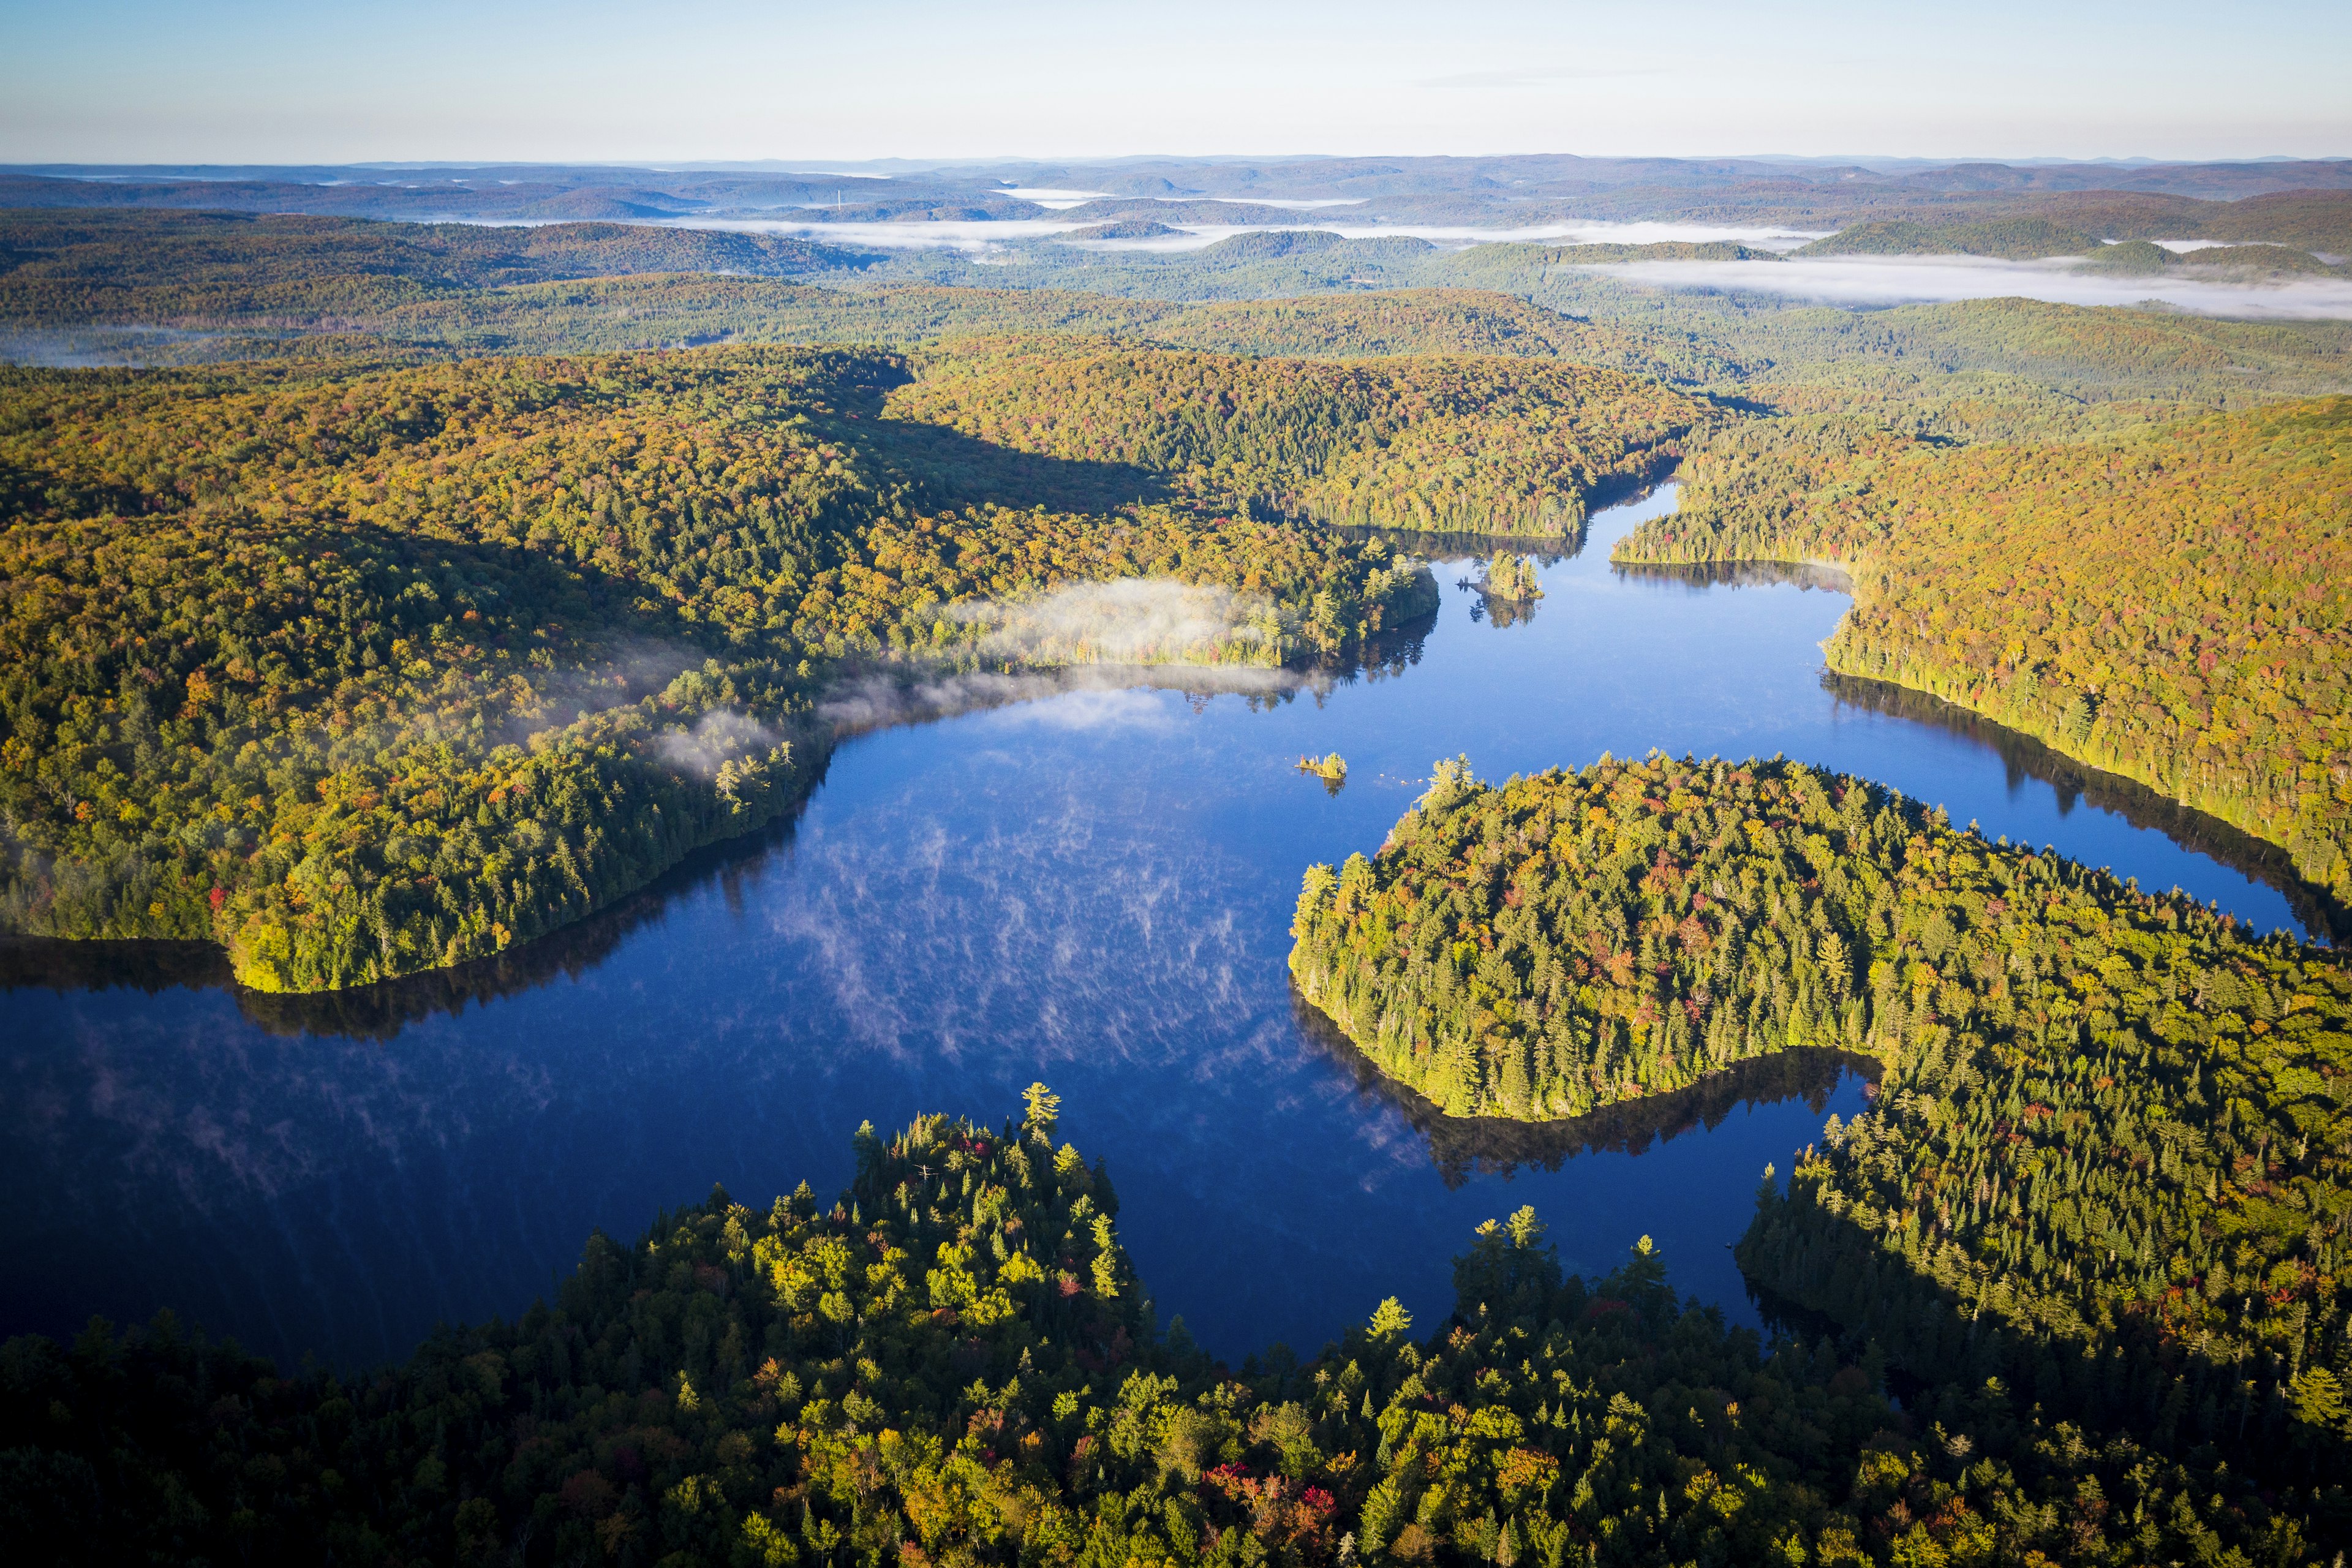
<point>1511,580</point>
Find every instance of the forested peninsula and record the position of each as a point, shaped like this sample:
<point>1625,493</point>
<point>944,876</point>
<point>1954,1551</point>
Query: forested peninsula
<point>1557,944</point>
<point>2174,606</point>
<point>2107,1160</point>
<point>954,1362</point>
<point>1429,443</point>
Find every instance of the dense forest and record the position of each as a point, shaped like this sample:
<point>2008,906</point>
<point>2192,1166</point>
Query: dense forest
<point>2291,225</point>
<point>364,669</point>
<point>954,1363</point>
<point>2110,1121</point>
<point>412,619</point>
<point>1559,944</point>
<point>191,288</point>
<point>1429,443</point>
<point>2175,606</point>
<point>2016,239</point>
<point>631,312</point>
<point>182,268</point>
<point>670,310</point>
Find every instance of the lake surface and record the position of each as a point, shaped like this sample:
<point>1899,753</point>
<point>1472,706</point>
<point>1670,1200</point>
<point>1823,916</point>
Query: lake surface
<point>1091,889</point>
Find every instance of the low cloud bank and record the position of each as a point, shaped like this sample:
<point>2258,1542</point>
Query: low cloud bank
<point>1934,279</point>
<point>1196,236</point>
<point>945,233</point>
<point>1771,237</point>
<point>1102,649</point>
<point>973,236</point>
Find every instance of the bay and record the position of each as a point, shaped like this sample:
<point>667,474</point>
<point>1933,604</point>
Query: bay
<point>1091,887</point>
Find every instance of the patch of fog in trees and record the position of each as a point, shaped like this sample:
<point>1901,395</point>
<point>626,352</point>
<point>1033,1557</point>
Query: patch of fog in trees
<point>1093,696</point>
<point>1130,621</point>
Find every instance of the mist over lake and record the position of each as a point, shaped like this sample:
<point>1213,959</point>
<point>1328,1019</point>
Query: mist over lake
<point>1092,888</point>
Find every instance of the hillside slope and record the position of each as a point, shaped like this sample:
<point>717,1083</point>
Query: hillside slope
<point>2175,606</point>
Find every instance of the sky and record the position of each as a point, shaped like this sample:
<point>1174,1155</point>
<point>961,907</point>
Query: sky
<point>586,80</point>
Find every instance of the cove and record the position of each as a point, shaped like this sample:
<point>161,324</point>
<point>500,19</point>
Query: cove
<point>1092,888</point>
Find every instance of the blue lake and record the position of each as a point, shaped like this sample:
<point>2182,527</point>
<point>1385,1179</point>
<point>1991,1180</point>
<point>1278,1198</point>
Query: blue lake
<point>1092,888</point>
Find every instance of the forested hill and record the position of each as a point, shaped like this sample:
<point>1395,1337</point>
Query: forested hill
<point>2174,607</point>
<point>629,312</point>
<point>1559,943</point>
<point>180,288</point>
<point>65,266</point>
<point>363,669</point>
<point>2111,1125</point>
<point>1440,444</point>
<point>199,289</point>
<point>954,1363</point>
<point>2018,239</point>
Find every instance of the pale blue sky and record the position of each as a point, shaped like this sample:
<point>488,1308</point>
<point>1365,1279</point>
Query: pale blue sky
<point>266,80</point>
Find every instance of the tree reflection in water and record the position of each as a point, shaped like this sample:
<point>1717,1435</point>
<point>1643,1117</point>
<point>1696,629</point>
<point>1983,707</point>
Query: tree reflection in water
<point>2075,783</point>
<point>1463,1147</point>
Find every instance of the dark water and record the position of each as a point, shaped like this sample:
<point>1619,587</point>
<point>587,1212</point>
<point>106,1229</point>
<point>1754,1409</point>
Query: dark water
<point>1091,889</point>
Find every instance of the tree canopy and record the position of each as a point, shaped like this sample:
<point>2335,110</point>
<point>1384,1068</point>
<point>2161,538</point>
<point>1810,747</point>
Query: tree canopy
<point>2175,606</point>
<point>363,669</point>
<point>954,1363</point>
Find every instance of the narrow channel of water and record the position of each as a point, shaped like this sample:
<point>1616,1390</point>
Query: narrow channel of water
<point>1091,889</point>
